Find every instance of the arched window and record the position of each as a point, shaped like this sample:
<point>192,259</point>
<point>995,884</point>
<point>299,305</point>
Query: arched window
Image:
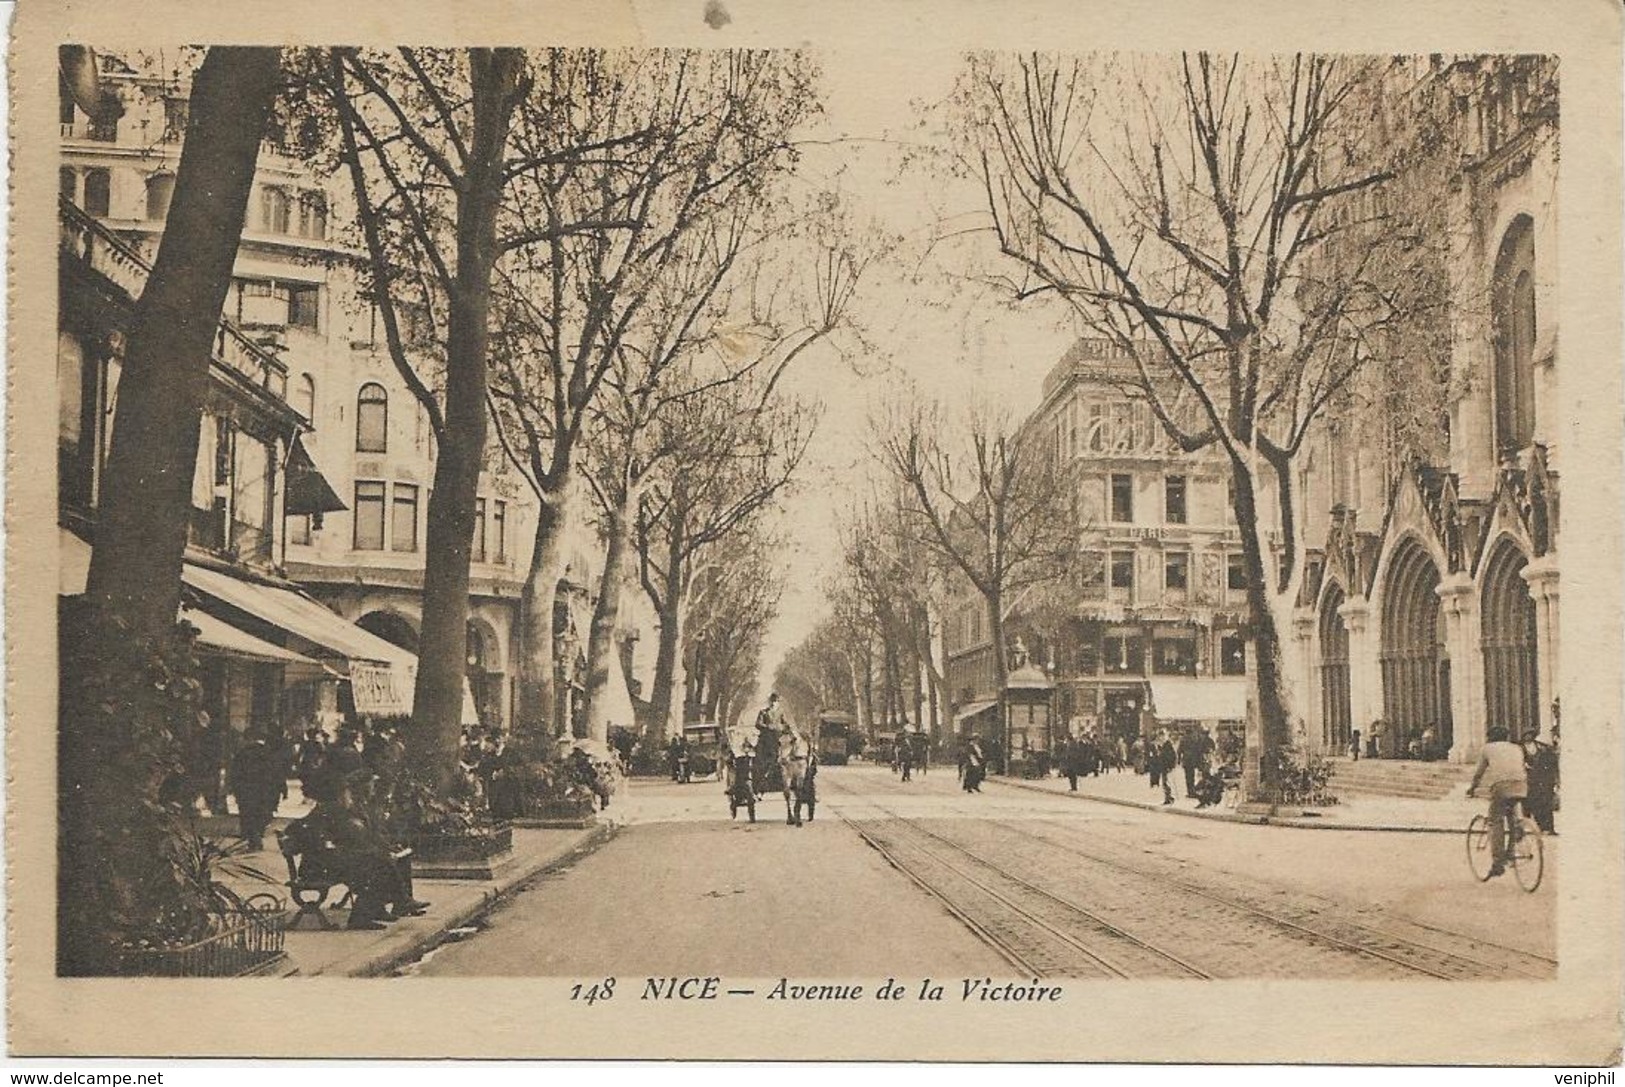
<point>372,419</point>
<point>1513,307</point>
<point>160,188</point>
<point>304,397</point>
<point>98,192</point>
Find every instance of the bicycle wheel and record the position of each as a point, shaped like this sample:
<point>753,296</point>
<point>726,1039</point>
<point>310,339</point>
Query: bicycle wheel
<point>1479,855</point>
<point>1528,855</point>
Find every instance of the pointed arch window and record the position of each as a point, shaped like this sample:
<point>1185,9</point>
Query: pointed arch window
<point>1513,307</point>
<point>372,419</point>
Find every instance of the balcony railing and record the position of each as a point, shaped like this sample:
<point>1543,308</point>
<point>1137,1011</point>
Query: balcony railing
<point>104,252</point>
<point>100,131</point>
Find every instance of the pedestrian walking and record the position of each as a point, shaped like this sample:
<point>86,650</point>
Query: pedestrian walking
<point>975,761</point>
<point>257,778</point>
<point>1164,757</point>
<point>1354,745</point>
<point>905,754</point>
<point>1540,769</point>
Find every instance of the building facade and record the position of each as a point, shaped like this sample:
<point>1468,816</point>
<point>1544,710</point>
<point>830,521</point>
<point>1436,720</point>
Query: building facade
<point>1154,610</point>
<point>1433,601</point>
<point>325,485</point>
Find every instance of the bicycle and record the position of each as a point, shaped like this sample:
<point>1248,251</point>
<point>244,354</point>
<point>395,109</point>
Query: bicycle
<point>1525,854</point>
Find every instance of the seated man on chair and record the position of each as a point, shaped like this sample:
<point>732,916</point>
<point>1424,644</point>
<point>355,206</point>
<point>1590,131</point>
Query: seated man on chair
<point>363,860</point>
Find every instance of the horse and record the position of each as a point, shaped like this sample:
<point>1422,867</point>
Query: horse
<point>797,768</point>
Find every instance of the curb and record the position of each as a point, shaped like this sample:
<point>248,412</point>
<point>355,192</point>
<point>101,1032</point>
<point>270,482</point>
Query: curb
<point>1291,822</point>
<point>392,958</point>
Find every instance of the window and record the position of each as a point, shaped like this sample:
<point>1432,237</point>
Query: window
<point>403,523</point>
<point>312,215</point>
<point>372,419</point>
<point>175,110</point>
<point>1235,571</point>
<point>1092,575</point>
<point>160,190</point>
<point>1123,655</point>
<point>302,305</point>
<point>299,529</point>
<point>479,531</point>
<point>274,206</point>
<point>1122,569</point>
<point>68,184</point>
<point>304,397</point>
<point>1233,655</point>
<point>1176,571</point>
<point>1123,499</point>
<point>1174,499</point>
<point>499,529</point>
<point>1513,306</point>
<point>369,516</point>
<point>98,192</point>
<point>1174,657</point>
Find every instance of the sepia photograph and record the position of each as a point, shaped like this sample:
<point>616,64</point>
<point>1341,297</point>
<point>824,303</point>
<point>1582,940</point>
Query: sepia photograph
<point>771,524</point>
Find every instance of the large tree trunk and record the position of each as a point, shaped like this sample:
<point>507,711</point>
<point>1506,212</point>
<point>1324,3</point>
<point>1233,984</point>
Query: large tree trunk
<point>537,713</point>
<point>114,763</point>
<point>146,489</point>
<point>665,702</point>
<point>605,619</point>
<point>443,647</point>
<point>1001,670</point>
<point>1270,695</point>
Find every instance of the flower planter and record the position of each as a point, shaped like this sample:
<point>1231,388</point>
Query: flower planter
<point>475,853</point>
<point>248,945</point>
<point>560,815</point>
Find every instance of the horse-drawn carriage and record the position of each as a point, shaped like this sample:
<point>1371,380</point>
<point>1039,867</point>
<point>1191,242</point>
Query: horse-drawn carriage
<point>703,746</point>
<point>756,764</point>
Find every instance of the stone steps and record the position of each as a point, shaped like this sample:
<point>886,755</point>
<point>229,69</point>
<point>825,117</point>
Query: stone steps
<point>1399,778</point>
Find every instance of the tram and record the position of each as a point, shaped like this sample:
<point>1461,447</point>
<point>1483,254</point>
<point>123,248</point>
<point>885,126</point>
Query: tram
<point>834,738</point>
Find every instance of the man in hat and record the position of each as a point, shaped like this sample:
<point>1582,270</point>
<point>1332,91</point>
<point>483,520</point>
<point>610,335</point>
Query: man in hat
<point>257,779</point>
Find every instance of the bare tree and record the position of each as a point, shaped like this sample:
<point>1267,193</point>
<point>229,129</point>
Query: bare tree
<point>736,454</point>
<point>116,741</point>
<point>734,602</point>
<point>425,139</point>
<point>1003,514</point>
<point>1177,205</point>
<point>648,174</point>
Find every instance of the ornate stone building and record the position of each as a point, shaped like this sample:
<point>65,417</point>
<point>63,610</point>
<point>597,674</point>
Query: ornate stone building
<point>1433,597</point>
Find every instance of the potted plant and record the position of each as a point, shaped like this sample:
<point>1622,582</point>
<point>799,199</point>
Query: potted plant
<point>216,929</point>
<point>449,831</point>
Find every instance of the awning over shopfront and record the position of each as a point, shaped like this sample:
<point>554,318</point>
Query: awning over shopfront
<point>972,709</point>
<point>299,615</point>
<point>223,639</point>
<point>1188,699</point>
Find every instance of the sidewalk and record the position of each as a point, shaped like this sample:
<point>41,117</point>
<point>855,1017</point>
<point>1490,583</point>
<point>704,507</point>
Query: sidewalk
<point>1354,812</point>
<point>453,903</point>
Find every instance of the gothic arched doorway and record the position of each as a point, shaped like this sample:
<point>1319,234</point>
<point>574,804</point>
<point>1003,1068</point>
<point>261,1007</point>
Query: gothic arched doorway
<point>1511,673</point>
<point>1335,713</point>
<point>1415,667</point>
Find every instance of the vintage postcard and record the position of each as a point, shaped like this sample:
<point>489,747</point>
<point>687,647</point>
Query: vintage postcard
<point>734,529</point>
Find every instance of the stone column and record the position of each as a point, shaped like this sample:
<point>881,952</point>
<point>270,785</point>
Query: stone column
<point>1365,682</point>
<point>1459,609</point>
<point>1541,576</point>
<point>1308,693</point>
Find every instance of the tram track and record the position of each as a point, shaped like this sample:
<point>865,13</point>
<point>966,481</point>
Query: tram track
<point>1041,933</point>
<point>1149,909</point>
<point>1345,932</point>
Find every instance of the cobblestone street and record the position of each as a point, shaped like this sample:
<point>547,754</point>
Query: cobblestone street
<point>920,878</point>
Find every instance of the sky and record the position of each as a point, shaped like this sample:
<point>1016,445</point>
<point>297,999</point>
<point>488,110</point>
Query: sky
<point>925,323</point>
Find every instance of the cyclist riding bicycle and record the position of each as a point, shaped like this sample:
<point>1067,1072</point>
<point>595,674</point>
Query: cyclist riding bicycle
<point>1501,770</point>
